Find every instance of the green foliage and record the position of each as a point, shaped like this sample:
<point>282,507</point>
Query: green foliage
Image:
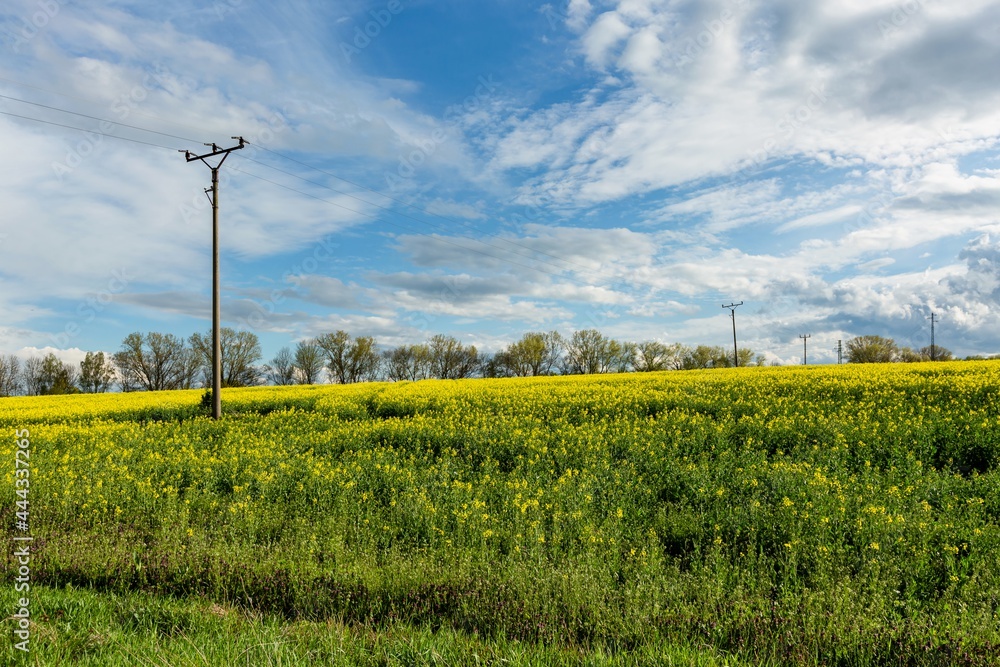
<point>871,350</point>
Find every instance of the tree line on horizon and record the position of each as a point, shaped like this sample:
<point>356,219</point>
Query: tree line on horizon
<point>156,361</point>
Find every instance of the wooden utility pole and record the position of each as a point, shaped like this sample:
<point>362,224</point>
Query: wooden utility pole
<point>213,193</point>
<point>736,352</point>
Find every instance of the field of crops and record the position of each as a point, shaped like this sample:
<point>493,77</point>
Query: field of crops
<point>820,515</point>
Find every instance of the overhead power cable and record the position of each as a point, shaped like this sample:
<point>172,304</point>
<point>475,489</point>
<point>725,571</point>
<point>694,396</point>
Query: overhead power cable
<point>509,242</point>
<point>436,237</point>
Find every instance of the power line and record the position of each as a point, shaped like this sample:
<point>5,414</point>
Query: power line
<point>533,251</point>
<point>95,102</point>
<point>282,156</point>
<point>369,215</point>
<point>81,129</point>
<point>331,203</point>
<point>386,209</point>
<point>103,120</point>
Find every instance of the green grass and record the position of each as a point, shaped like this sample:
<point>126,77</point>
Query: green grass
<point>86,629</point>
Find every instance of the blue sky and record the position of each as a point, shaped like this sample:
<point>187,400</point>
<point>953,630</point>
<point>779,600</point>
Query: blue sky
<point>486,169</point>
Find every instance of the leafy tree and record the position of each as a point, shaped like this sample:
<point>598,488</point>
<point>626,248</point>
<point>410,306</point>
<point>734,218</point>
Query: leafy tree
<point>97,373</point>
<point>58,377</point>
<point>871,350</point>
<point>535,354</point>
<point>10,375</point>
<point>747,358</point>
<point>450,360</point>
<point>908,355</point>
<point>350,359</point>
<point>281,370</point>
<point>408,362</point>
<point>308,362</point>
<point>154,362</point>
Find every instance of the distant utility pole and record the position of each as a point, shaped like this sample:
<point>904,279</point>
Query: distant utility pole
<point>736,352</point>
<point>216,306</point>
<point>804,337</point>
<point>933,319</point>
<point>840,351</point>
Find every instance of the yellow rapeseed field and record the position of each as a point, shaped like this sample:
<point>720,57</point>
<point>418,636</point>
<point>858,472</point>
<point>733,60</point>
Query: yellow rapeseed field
<point>834,510</point>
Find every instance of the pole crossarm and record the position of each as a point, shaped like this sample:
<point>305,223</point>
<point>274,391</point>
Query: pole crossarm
<point>224,152</point>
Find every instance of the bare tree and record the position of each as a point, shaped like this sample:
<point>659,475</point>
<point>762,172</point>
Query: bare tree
<point>308,362</point>
<point>589,351</point>
<point>653,355</point>
<point>407,362</point>
<point>153,362</point>
<point>281,370</point>
<point>450,360</point>
<point>96,373</point>
<point>10,375</point>
<point>706,356</point>
<point>239,352</point>
<point>34,381</point>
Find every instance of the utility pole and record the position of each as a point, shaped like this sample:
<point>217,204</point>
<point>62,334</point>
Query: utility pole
<point>933,319</point>
<point>736,352</point>
<point>804,337</point>
<point>216,302</point>
<point>840,352</point>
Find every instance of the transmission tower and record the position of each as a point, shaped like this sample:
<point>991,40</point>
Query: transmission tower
<point>933,319</point>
